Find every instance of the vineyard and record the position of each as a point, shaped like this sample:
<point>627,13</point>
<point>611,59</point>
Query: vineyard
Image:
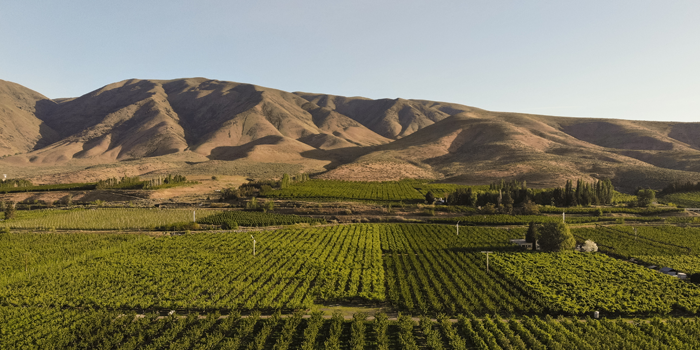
<point>44,188</point>
<point>101,218</point>
<point>350,190</point>
<point>254,218</point>
<point>431,269</point>
<point>675,247</point>
<point>292,269</point>
<point>84,290</point>
<point>34,252</point>
<point>50,328</point>
<point>578,283</point>
<point>416,268</point>
<point>686,199</point>
<point>689,264</point>
<point>503,219</point>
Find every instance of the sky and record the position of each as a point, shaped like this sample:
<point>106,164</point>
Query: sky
<point>608,59</point>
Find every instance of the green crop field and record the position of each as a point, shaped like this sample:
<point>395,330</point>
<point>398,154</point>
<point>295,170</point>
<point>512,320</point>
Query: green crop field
<point>83,290</point>
<point>584,282</point>
<point>254,218</point>
<point>672,246</point>
<point>689,264</point>
<point>101,218</point>
<point>292,269</point>
<point>416,268</point>
<point>430,268</point>
<point>350,190</point>
<point>34,252</point>
<point>24,328</point>
<point>686,199</point>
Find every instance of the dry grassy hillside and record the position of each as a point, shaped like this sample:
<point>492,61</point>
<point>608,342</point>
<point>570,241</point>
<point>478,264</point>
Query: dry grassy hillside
<point>480,146</point>
<point>20,128</point>
<point>189,125</point>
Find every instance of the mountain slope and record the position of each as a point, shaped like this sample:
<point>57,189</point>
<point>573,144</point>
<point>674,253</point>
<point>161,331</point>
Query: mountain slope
<point>480,146</point>
<point>223,120</point>
<point>199,120</point>
<point>20,128</point>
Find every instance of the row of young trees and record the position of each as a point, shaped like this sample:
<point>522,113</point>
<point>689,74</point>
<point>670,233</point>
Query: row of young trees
<point>164,180</point>
<point>681,187</point>
<point>136,182</point>
<point>9,208</point>
<point>114,182</point>
<point>288,180</point>
<point>12,183</point>
<point>261,187</point>
<point>514,193</point>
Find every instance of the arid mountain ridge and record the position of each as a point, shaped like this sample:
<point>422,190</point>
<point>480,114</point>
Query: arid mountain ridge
<point>198,121</point>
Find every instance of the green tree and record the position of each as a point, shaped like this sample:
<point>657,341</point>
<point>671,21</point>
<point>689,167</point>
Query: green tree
<point>530,208</point>
<point>508,203</point>
<point>430,197</point>
<point>489,208</point>
<point>462,196</point>
<point>532,235</point>
<point>252,204</point>
<point>569,197</point>
<point>230,194</point>
<point>556,237</point>
<point>269,206</point>
<point>229,225</point>
<point>10,209</point>
<point>285,181</point>
<point>646,197</point>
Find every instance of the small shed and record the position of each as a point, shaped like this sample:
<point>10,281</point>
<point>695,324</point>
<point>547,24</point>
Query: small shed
<point>521,243</point>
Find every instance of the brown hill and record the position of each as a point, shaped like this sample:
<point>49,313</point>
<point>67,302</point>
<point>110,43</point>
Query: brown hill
<point>480,146</point>
<point>197,123</point>
<point>20,128</point>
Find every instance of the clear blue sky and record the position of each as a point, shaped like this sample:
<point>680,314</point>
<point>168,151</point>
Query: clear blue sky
<point>614,59</point>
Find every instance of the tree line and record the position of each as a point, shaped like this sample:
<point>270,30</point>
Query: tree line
<point>675,187</point>
<point>516,193</point>
<point>261,187</point>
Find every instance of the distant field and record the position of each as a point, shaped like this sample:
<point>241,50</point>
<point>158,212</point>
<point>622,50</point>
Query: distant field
<point>255,218</point>
<point>351,190</point>
<point>141,218</point>
<point>686,199</point>
<point>503,219</point>
<point>101,218</point>
<point>43,188</point>
<point>610,210</point>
